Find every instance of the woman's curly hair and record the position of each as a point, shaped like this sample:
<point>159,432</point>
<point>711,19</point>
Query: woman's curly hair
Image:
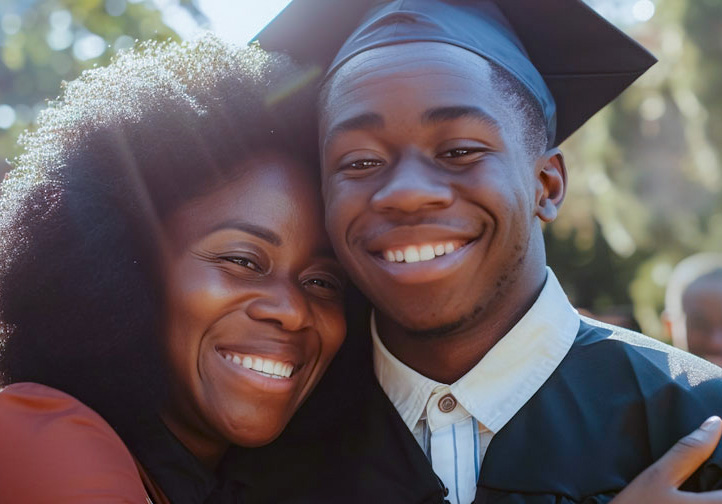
<point>81,213</point>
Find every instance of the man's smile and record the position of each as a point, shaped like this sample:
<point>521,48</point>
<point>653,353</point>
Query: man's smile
<point>421,254</point>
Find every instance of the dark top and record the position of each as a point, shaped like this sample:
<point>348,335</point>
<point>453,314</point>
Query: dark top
<point>614,405</point>
<point>181,476</point>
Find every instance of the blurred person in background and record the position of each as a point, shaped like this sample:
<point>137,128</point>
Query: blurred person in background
<point>693,306</point>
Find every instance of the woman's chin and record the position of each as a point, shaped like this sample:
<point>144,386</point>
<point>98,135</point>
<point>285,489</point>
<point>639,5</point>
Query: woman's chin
<point>254,432</point>
<point>256,438</point>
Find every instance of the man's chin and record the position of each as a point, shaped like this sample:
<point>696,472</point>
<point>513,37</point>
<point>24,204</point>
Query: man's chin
<point>426,325</point>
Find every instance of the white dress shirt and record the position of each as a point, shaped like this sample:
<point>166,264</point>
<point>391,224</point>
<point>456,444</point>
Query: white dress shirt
<point>455,423</point>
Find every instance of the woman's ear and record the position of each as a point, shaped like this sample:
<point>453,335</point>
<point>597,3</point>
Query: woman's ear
<point>551,175</point>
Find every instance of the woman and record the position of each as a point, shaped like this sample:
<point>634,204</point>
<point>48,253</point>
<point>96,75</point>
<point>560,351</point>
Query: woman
<point>165,272</point>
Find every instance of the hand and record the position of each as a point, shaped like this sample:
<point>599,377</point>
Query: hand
<point>659,483</point>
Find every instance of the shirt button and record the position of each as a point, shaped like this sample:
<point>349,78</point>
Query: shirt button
<point>447,403</point>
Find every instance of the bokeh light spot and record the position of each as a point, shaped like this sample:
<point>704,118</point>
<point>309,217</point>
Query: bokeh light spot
<point>61,20</point>
<point>115,7</point>
<point>59,40</point>
<point>643,10</point>
<point>7,116</point>
<point>11,24</point>
<point>88,46</point>
<point>123,42</point>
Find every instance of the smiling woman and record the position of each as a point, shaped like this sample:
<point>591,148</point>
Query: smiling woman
<point>163,263</point>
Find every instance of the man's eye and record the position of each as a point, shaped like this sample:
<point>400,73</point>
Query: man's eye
<point>362,164</point>
<point>461,152</point>
<point>244,262</point>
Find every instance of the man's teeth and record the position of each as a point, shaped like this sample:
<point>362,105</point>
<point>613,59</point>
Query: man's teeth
<point>266,367</point>
<point>426,252</point>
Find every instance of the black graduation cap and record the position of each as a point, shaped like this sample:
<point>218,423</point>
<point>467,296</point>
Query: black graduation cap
<point>579,61</point>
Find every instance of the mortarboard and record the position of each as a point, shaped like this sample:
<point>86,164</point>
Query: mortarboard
<point>571,59</point>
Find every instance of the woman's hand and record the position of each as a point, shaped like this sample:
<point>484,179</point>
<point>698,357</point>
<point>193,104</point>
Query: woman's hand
<point>659,483</point>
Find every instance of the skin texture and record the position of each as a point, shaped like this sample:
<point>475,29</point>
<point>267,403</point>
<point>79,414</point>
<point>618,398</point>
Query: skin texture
<point>249,271</point>
<point>702,305</point>
<point>419,146</point>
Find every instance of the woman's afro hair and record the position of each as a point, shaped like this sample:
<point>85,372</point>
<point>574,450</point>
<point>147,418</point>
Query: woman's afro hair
<point>81,213</point>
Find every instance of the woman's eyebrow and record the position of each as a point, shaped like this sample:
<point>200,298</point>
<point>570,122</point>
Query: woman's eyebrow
<point>261,232</point>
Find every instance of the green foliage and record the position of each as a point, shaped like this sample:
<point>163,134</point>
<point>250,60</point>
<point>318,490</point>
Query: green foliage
<point>645,173</point>
<point>43,43</point>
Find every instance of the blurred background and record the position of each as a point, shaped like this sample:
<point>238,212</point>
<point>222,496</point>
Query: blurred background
<point>645,176</point>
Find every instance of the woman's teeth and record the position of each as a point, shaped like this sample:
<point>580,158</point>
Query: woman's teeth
<point>418,253</point>
<point>266,367</point>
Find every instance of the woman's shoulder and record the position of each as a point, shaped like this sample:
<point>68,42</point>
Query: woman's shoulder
<point>54,448</point>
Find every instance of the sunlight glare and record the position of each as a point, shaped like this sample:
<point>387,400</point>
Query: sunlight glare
<point>240,20</point>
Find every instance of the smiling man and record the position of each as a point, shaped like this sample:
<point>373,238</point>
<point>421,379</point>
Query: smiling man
<point>439,127</point>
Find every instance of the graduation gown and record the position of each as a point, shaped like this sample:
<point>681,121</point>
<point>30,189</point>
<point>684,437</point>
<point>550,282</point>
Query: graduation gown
<point>614,405</point>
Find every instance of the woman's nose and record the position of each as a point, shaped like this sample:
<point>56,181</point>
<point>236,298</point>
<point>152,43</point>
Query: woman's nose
<point>284,305</point>
<point>412,186</point>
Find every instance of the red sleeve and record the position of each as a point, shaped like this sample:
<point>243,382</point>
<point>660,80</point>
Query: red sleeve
<point>55,449</point>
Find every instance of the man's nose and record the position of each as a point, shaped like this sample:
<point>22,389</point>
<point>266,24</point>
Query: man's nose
<point>413,185</point>
<point>285,305</point>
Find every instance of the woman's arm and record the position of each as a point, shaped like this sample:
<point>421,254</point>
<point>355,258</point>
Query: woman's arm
<point>55,449</point>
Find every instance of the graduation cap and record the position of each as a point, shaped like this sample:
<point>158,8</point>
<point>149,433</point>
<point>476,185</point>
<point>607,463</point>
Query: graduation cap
<point>571,59</point>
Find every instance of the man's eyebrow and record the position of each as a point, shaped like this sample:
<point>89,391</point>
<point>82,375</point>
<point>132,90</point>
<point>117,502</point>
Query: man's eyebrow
<point>254,229</point>
<point>370,120</point>
<point>441,114</point>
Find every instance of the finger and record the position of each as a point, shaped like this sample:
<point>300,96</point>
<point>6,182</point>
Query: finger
<point>699,498</point>
<point>687,454</point>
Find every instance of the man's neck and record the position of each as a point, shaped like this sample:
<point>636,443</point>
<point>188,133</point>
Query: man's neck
<point>446,358</point>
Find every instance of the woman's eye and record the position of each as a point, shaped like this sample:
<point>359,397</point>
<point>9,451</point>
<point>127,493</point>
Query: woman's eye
<point>324,287</point>
<point>362,164</point>
<point>244,262</point>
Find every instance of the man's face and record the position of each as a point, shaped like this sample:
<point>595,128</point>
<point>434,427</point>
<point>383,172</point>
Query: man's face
<point>431,196</point>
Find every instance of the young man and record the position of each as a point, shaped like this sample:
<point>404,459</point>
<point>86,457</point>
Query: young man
<point>473,380</point>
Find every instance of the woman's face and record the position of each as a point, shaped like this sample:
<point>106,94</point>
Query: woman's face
<point>255,311</point>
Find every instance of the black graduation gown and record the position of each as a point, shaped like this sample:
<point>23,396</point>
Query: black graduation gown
<point>615,404</point>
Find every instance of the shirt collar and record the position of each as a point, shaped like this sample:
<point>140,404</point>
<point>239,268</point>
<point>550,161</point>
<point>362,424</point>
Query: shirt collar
<point>503,381</point>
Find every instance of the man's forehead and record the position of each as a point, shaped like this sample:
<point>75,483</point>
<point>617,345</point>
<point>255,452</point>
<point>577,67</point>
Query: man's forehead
<point>418,65</point>
<point>411,59</point>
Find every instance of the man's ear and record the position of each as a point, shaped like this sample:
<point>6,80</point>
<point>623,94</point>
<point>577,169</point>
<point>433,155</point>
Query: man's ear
<point>551,184</point>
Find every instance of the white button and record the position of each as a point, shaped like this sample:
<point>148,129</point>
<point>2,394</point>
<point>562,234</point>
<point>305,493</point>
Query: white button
<point>447,403</point>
